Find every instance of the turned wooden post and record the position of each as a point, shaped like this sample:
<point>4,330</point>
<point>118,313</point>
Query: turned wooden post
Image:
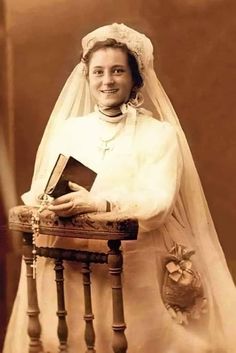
<point>62,330</point>
<point>115,262</point>
<point>109,226</point>
<point>34,327</point>
<point>88,314</point>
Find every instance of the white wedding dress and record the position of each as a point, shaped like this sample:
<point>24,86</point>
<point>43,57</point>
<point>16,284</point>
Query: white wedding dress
<point>140,173</point>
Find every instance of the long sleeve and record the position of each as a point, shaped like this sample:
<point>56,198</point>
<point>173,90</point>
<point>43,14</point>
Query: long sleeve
<point>151,193</point>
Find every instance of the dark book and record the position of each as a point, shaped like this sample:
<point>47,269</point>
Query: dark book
<point>68,169</point>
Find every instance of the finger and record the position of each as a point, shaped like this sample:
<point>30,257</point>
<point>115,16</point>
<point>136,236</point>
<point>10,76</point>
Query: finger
<point>61,207</point>
<point>68,213</point>
<point>75,187</point>
<point>65,213</point>
<point>63,199</point>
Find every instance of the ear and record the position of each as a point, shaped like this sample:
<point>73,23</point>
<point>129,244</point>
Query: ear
<point>133,92</point>
<point>136,98</point>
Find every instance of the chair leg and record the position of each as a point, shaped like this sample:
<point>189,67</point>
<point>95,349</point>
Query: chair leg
<point>88,315</point>
<point>62,330</point>
<point>34,327</point>
<point>115,262</point>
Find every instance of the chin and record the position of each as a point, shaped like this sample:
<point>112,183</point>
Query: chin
<point>111,104</point>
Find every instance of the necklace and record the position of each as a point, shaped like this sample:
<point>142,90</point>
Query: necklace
<point>106,142</point>
<point>110,116</point>
<point>35,223</point>
<point>110,128</point>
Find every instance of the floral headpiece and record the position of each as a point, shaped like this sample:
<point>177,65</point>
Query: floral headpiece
<point>138,43</point>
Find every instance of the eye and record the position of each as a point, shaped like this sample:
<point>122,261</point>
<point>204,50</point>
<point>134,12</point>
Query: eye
<point>118,71</point>
<point>97,72</point>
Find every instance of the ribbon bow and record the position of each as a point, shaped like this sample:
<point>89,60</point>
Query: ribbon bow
<point>180,266</point>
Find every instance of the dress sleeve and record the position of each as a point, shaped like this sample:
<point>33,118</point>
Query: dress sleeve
<point>156,183</point>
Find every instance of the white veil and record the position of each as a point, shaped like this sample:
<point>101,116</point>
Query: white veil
<point>75,100</point>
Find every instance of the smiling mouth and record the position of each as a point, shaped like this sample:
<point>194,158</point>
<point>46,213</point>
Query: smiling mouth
<point>109,91</point>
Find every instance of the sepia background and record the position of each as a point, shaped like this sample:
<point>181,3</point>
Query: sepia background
<point>195,53</point>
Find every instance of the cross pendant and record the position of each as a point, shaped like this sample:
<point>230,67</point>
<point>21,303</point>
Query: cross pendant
<point>105,147</point>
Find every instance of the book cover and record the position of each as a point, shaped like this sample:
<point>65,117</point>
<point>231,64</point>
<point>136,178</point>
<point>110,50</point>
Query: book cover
<point>68,169</point>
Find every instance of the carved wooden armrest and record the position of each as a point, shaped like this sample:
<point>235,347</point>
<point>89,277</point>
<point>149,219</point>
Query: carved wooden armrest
<point>91,225</point>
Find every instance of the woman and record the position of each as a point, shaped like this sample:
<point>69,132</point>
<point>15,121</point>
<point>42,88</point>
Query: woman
<point>145,170</point>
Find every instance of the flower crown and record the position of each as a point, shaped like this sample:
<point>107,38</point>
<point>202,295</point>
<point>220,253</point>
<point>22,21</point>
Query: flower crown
<point>138,43</point>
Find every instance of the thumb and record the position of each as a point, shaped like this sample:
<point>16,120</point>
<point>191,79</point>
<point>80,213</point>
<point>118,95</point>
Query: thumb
<point>74,186</point>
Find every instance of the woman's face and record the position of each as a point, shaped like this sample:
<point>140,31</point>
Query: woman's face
<point>110,77</point>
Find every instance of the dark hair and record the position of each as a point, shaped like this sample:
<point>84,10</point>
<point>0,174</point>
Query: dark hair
<point>112,43</point>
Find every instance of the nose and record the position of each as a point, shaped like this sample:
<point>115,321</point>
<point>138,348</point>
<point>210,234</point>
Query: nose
<point>108,78</point>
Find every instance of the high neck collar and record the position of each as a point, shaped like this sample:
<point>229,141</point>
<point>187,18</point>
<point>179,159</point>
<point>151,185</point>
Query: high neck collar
<point>112,119</point>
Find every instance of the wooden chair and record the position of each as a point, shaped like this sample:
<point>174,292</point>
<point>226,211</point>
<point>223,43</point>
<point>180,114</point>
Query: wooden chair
<point>107,227</point>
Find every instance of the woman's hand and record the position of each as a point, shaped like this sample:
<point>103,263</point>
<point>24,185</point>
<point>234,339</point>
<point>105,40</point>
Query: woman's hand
<point>76,202</point>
